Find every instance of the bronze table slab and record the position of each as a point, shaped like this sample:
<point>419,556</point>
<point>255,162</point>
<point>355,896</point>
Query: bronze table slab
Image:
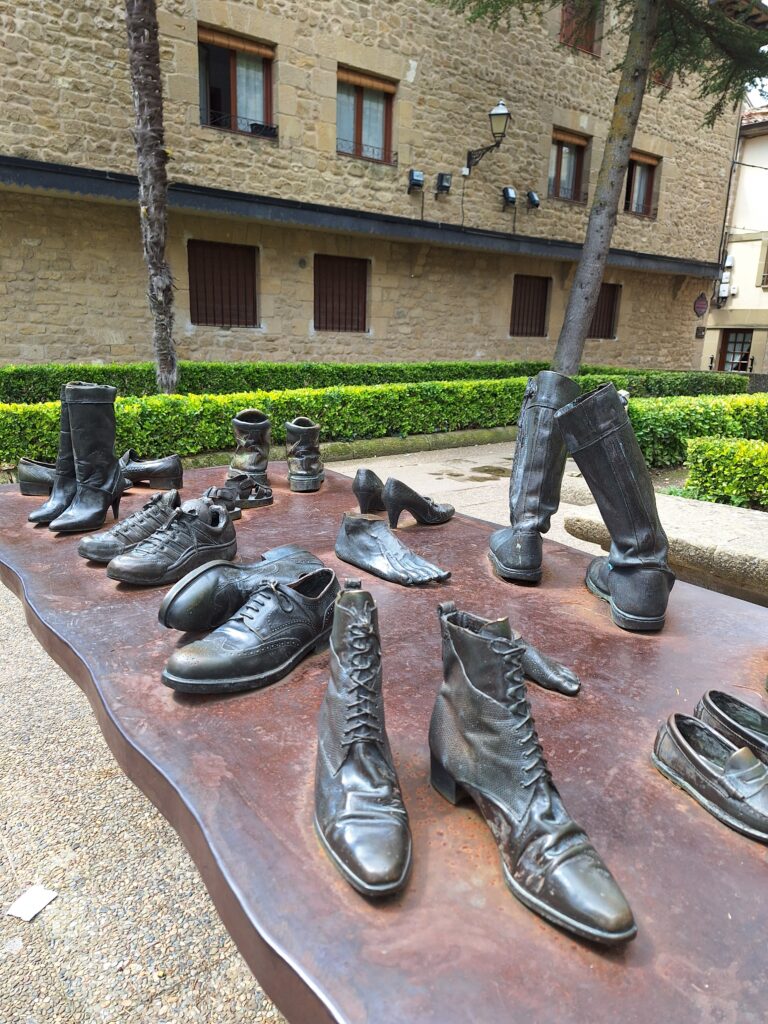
<point>234,776</point>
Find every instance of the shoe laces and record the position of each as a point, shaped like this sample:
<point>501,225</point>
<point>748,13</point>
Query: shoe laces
<point>267,592</point>
<point>517,701</point>
<point>139,518</point>
<point>363,717</point>
<point>177,524</point>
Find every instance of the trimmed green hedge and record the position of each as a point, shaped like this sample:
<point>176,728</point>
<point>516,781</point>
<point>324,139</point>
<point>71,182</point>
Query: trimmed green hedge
<point>43,382</point>
<point>729,470</point>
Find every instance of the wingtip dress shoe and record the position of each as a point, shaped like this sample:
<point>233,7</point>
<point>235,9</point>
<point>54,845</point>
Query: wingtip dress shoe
<point>484,747</point>
<point>360,817</point>
<point>741,723</point>
<point>727,780</point>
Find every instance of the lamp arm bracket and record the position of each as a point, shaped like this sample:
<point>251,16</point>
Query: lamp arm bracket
<point>474,156</point>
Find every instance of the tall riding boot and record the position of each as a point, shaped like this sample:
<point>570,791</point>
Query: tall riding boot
<point>64,484</point>
<point>253,434</point>
<point>484,746</point>
<point>635,577</point>
<point>360,817</point>
<point>99,475</point>
<point>537,473</point>
<point>305,467</point>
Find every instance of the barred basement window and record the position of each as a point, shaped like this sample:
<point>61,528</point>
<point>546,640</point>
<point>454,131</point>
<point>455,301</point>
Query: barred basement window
<point>530,297</point>
<point>222,284</point>
<point>341,291</point>
<point>605,317</point>
<point>235,83</point>
<point>364,116</point>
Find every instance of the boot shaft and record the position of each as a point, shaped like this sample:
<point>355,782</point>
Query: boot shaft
<point>305,467</point>
<point>92,424</point>
<point>253,436</point>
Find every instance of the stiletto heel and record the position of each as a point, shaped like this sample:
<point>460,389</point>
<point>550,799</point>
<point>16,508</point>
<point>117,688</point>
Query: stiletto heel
<point>116,505</point>
<point>445,784</point>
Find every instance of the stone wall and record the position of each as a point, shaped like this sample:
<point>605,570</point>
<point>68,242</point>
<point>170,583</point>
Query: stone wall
<point>72,285</point>
<point>66,98</point>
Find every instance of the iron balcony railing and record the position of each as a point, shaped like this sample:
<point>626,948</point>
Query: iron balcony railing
<point>365,152</point>
<point>233,123</point>
<point>570,195</point>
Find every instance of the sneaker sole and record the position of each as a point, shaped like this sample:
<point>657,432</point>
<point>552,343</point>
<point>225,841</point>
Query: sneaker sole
<point>235,684</point>
<point>172,575</point>
<point>389,889</point>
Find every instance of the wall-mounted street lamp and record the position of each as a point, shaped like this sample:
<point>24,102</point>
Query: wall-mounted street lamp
<point>499,118</point>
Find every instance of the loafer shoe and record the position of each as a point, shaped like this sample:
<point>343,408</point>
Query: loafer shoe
<point>165,473</point>
<point>278,626</point>
<point>728,781</point>
<point>739,722</point>
<point>103,547</point>
<point>197,532</point>
<point>206,597</point>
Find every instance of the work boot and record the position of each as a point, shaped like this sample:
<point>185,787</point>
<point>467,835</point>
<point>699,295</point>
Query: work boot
<point>635,577</point>
<point>537,474</point>
<point>253,434</point>
<point>98,472</point>
<point>484,747</point>
<point>64,482</point>
<point>360,817</point>
<point>305,467</point>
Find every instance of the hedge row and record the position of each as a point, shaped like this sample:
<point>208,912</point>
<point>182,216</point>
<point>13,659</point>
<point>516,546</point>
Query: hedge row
<point>728,470</point>
<point>189,424</point>
<point>43,382</point>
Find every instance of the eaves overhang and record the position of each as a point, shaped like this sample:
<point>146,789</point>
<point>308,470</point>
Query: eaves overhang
<point>66,180</point>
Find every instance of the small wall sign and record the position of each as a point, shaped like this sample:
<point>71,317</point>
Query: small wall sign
<point>701,332</point>
<point>701,304</point>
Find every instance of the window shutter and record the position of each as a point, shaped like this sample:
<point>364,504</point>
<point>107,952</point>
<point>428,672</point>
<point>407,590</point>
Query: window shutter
<point>341,287</point>
<point>529,306</point>
<point>216,37</point>
<point>603,323</point>
<point>222,284</point>
<point>350,77</point>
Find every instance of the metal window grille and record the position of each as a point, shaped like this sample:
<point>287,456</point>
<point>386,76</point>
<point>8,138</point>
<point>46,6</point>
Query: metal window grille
<point>341,289</point>
<point>529,306</point>
<point>222,284</point>
<point>604,318</point>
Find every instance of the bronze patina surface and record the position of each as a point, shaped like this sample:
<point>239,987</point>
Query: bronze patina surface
<point>234,775</point>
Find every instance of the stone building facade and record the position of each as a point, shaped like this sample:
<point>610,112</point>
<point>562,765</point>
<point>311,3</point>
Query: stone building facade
<point>271,178</point>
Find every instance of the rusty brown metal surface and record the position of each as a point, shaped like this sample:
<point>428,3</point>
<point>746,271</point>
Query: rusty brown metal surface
<point>234,776</point>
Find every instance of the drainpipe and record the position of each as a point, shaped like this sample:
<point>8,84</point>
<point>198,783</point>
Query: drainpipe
<point>729,201</point>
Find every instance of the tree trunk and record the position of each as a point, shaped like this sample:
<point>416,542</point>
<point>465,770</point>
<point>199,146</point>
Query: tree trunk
<point>151,158</point>
<point>602,217</point>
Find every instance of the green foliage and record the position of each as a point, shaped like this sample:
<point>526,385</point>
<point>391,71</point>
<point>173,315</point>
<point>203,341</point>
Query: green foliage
<point>728,470</point>
<point>664,425</point>
<point>43,382</point>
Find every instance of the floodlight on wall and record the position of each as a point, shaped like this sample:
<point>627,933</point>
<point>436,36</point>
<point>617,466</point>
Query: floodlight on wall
<point>508,196</point>
<point>533,199</point>
<point>415,181</point>
<point>499,118</point>
<point>443,184</point>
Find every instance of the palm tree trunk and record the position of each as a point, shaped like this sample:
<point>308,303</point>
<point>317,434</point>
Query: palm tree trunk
<point>602,217</point>
<point>151,158</point>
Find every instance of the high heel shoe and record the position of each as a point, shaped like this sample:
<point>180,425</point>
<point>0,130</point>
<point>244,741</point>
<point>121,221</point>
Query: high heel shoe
<point>367,488</point>
<point>399,497</point>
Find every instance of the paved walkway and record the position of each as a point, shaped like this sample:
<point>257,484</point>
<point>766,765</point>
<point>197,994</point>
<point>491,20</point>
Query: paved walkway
<point>132,937</point>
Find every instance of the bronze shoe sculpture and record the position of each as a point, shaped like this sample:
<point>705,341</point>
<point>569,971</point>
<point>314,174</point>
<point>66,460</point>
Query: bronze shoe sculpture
<point>305,467</point>
<point>166,473</point>
<point>741,723</point>
<point>727,780</point>
<point>367,488</point>
<point>366,542</point>
<point>535,481</point>
<point>399,497</point>
<point>127,534</point>
<point>484,747</point>
<point>360,817</point>
<point>64,482</point>
<point>35,477</point>
<point>253,435</point>
<point>278,626</point>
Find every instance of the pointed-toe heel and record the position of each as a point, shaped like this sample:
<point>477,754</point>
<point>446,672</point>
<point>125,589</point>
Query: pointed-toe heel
<point>445,784</point>
<point>367,488</point>
<point>399,497</point>
<point>116,505</point>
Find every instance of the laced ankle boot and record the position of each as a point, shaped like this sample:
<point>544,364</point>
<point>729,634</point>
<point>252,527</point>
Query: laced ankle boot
<point>536,478</point>
<point>253,434</point>
<point>64,482</point>
<point>484,747</point>
<point>360,817</point>
<point>305,467</point>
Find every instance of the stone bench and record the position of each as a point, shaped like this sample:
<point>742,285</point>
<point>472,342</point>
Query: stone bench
<point>719,547</point>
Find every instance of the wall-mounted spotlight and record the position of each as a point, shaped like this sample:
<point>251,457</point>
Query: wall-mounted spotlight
<point>443,184</point>
<point>415,181</point>
<point>508,197</point>
<point>533,200</point>
<point>499,118</point>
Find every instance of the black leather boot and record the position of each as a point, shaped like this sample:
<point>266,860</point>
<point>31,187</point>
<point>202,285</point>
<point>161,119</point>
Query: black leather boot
<point>484,747</point>
<point>64,482</point>
<point>98,472</point>
<point>635,577</point>
<point>537,474</point>
<point>253,434</point>
<point>305,467</point>
<point>360,817</point>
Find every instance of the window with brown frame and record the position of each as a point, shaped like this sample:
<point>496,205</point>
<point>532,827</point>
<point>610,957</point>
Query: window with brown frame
<point>235,83</point>
<point>605,317</point>
<point>341,293</point>
<point>566,166</point>
<point>364,116</point>
<point>222,284</point>
<point>734,353</point>
<point>642,182</point>
<point>530,301</point>
<point>579,26</point>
